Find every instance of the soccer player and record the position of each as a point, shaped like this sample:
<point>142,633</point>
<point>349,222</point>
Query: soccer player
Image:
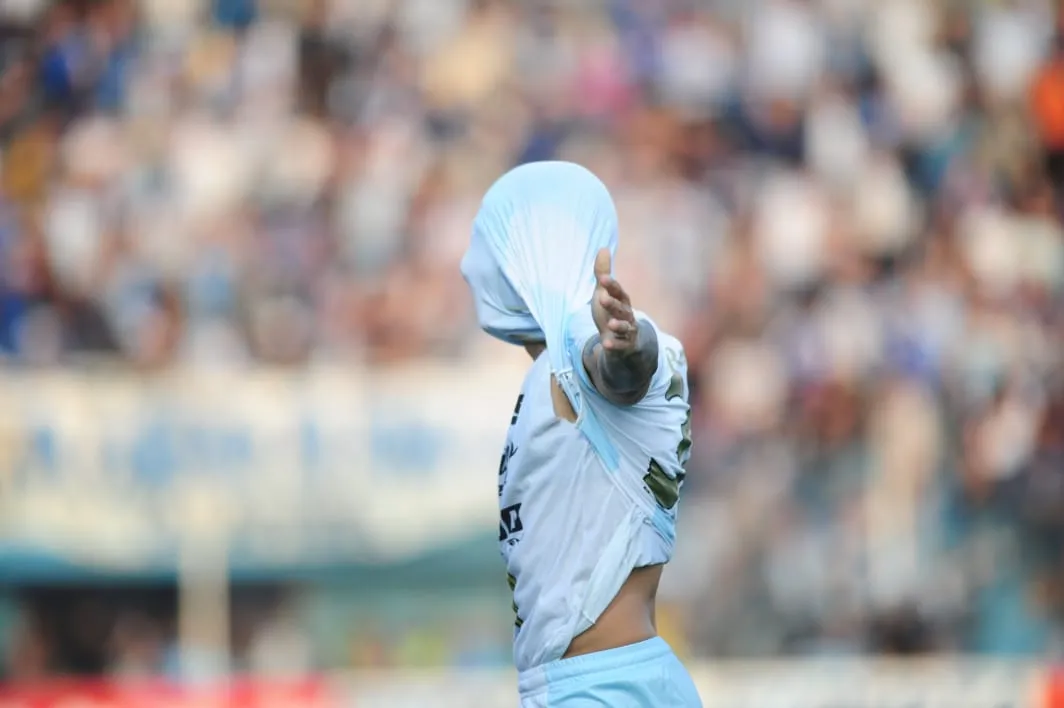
<point>591,471</point>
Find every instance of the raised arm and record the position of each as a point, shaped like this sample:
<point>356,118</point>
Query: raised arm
<point>623,358</point>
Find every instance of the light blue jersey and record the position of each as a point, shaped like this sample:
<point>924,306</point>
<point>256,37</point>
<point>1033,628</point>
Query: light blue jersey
<point>572,526</point>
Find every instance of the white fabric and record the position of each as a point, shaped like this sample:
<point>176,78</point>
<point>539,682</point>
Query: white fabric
<point>572,529</point>
<point>531,259</point>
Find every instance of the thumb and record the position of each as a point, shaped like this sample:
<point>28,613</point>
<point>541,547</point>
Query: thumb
<point>603,263</point>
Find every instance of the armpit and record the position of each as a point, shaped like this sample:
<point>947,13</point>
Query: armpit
<point>562,407</point>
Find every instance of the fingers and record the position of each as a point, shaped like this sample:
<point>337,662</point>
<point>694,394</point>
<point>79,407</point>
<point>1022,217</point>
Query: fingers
<point>616,308</point>
<point>614,289</point>
<point>620,335</point>
<point>604,277</point>
<point>622,328</point>
<point>603,264</point>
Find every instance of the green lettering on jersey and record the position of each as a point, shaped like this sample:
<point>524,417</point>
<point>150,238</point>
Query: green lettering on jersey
<point>684,448</point>
<point>677,386</point>
<point>512,582</point>
<point>675,389</point>
<point>665,489</point>
<point>676,361</point>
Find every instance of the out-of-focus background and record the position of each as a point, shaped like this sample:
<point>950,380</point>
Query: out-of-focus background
<point>248,426</point>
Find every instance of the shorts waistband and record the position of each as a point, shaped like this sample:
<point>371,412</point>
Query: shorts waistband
<point>534,680</point>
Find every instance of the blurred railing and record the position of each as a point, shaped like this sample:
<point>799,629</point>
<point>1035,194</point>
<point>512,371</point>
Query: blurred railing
<point>947,683</point>
<point>800,684</point>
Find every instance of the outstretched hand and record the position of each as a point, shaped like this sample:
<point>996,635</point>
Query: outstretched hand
<point>612,310</point>
<point>623,358</point>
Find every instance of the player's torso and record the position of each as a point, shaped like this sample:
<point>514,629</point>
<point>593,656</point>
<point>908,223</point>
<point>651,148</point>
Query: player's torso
<point>569,531</point>
<point>543,467</point>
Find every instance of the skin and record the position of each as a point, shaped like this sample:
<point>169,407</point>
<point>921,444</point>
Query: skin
<point>621,362</point>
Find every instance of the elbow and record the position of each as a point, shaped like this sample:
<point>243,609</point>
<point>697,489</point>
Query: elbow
<point>627,380</point>
<point>628,383</point>
<point>623,378</point>
<point>626,398</point>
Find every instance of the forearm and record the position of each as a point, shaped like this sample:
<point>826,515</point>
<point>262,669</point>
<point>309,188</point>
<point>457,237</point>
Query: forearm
<point>623,377</point>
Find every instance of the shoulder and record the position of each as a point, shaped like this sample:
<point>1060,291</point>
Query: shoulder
<point>672,352</point>
<point>670,349</point>
<point>670,379</point>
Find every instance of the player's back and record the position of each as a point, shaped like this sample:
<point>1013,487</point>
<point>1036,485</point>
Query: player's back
<point>572,528</point>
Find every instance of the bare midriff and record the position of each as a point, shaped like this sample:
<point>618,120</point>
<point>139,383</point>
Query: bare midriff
<point>629,619</point>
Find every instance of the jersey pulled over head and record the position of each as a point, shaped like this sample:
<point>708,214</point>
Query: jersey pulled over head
<point>530,262</point>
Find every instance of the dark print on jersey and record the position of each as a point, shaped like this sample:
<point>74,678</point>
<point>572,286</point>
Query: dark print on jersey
<point>504,464</point>
<point>510,522</point>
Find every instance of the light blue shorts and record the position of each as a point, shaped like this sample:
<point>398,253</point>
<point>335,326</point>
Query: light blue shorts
<point>643,675</point>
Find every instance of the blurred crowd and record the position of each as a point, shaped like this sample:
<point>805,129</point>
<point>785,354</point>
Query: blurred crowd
<point>850,210</point>
<point>132,633</point>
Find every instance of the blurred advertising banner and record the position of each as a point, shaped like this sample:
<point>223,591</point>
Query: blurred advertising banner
<point>799,684</point>
<point>879,684</point>
<point>346,463</point>
<point>103,694</point>
<point>1054,693</point>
